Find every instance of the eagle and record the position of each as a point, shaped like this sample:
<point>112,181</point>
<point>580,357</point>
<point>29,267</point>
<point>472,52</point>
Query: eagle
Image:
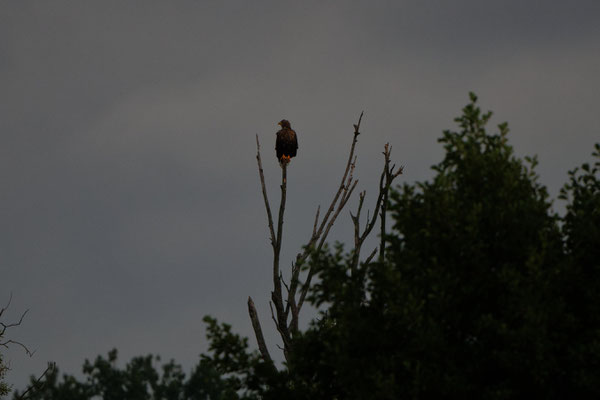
<point>286,144</point>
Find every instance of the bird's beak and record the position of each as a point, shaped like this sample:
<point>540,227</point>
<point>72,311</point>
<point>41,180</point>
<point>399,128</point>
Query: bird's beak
<point>279,123</point>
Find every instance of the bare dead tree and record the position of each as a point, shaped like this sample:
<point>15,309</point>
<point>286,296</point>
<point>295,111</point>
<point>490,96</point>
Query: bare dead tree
<point>285,312</point>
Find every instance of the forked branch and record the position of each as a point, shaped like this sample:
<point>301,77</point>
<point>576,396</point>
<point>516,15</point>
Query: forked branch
<point>6,343</point>
<point>385,181</point>
<point>4,327</point>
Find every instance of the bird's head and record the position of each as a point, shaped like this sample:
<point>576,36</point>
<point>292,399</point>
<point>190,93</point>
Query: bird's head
<point>284,123</point>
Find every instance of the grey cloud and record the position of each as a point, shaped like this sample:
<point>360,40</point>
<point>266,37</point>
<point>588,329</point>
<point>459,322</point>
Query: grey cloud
<point>131,205</point>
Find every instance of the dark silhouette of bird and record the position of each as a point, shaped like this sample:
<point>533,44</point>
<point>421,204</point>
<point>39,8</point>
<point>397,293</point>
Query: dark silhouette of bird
<point>286,144</point>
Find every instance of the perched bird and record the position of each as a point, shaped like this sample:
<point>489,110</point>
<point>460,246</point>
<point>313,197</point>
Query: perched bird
<point>287,142</point>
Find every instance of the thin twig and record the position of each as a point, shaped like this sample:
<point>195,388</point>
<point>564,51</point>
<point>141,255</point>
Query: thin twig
<point>10,341</point>
<point>37,384</point>
<point>7,305</point>
<point>390,175</point>
<point>343,182</point>
<point>287,288</point>
<point>30,353</point>
<point>6,326</point>
<point>368,260</point>
<point>316,221</point>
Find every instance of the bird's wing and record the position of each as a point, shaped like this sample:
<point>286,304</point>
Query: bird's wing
<point>279,137</point>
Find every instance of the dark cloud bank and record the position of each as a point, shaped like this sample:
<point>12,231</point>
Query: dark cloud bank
<point>130,202</point>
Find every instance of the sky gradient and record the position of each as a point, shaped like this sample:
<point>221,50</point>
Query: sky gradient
<point>131,204</point>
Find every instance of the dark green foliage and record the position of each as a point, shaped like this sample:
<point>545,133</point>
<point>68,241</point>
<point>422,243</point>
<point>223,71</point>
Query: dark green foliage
<point>4,389</point>
<point>475,249</point>
<point>140,379</point>
<point>481,295</point>
<point>581,280</point>
<point>229,371</point>
<point>243,373</point>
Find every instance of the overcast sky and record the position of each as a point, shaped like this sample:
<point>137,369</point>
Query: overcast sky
<point>130,204</point>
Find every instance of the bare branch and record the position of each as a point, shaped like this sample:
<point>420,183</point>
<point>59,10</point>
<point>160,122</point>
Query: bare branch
<point>349,165</point>
<point>316,221</point>
<point>6,326</point>
<point>273,315</point>
<point>277,295</point>
<point>347,186</point>
<point>287,288</point>
<point>262,346</point>
<point>264,192</point>
<point>7,305</point>
<point>346,196</point>
<point>37,384</point>
<point>27,351</point>
<point>368,260</point>
<point>282,332</point>
<point>390,175</point>
<point>385,181</point>
<point>30,353</point>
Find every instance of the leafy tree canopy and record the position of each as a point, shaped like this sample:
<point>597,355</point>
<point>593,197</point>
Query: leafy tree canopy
<point>484,292</point>
<point>227,372</point>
